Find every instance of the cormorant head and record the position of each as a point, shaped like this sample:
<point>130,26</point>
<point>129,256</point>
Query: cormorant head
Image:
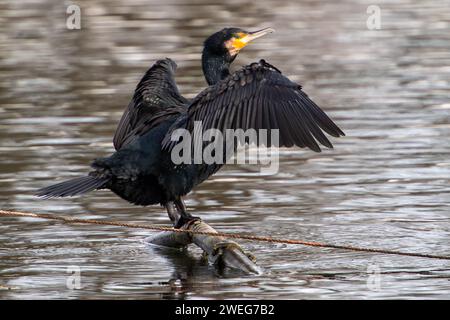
<point>229,41</point>
<point>222,48</point>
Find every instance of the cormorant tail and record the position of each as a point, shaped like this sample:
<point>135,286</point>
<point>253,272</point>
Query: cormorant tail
<point>72,187</point>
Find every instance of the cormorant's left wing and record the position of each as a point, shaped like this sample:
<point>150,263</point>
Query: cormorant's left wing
<point>155,95</point>
<point>259,97</point>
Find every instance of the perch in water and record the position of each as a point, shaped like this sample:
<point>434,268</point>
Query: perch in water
<point>256,96</point>
<point>221,252</point>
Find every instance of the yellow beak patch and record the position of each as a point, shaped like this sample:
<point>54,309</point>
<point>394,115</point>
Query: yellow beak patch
<point>234,45</point>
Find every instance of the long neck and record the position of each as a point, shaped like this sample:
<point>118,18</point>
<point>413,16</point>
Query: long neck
<point>215,67</point>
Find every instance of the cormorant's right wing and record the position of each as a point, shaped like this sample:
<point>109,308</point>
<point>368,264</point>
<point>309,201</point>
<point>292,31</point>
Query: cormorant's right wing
<point>259,97</point>
<point>156,92</point>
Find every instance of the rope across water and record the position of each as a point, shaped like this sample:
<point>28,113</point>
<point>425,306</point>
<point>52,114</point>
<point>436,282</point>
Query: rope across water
<point>218,234</point>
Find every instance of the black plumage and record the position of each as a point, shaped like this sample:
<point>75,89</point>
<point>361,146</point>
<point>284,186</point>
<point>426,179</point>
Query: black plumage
<point>156,96</point>
<point>257,96</point>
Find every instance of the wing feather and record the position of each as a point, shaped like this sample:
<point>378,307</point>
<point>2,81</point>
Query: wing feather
<point>155,93</point>
<point>259,97</point>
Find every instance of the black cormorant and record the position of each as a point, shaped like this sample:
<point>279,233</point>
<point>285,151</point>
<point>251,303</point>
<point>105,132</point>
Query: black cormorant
<point>256,96</point>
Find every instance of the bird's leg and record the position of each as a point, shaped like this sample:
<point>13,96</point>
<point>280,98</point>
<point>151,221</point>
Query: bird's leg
<point>174,216</point>
<point>185,216</point>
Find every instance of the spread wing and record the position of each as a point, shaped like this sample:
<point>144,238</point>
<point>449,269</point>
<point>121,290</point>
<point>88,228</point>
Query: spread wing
<point>155,96</point>
<point>259,97</point>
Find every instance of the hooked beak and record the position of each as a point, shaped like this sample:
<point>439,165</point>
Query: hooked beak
<point>236,44</point>
<point>256,34</point>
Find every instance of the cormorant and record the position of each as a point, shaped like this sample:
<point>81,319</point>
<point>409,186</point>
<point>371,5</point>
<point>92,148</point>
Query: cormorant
<point>256,96</point>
